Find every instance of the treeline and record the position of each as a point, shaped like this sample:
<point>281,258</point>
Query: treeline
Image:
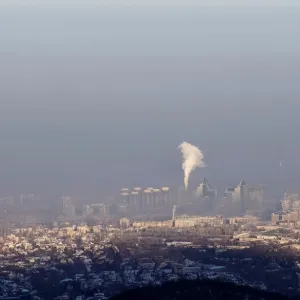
<point>200,289</point>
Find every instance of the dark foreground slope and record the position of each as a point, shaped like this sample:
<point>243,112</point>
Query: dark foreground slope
<point>201,289</point>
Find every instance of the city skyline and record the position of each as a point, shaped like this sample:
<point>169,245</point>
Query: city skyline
<point>149,148</point>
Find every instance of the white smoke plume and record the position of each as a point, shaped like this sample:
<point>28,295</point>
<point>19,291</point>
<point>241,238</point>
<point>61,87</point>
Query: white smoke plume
<point>192,157</point>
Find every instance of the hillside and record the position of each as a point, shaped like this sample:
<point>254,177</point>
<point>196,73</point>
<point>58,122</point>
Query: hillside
<point>200,289</point>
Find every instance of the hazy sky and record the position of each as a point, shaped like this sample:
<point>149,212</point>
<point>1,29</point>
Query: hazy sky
<point>94,99</point>
<point>181,3</point>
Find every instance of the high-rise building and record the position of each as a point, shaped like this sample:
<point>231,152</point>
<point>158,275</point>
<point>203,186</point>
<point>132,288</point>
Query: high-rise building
<point>99,209</point>
<point>147,197</point>
<point>138,197</point>
<point>206,196</point>
<point>68,207</point>
<point>255,200</point>
<point>66,201</point>
<point>29,199</point>
<point>125,196</point>
<point>166,195</point>
<point>239,197</point>
<point>135,198</point>
<point>290,202</point>
<point>88,210</point>
<point>157,197</point>
<point>256,193</point>
<point>151,194</point>
<point>228,192</point>
<point>204,189</point>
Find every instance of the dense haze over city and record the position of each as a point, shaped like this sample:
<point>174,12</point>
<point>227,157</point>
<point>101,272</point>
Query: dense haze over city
<point>94,99</point>
<point>149,149</point>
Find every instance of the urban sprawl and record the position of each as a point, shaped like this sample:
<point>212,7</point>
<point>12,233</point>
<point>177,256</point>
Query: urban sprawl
<point>146,236</point>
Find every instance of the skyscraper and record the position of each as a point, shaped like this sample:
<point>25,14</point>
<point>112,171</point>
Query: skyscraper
<point>125,196</point>
<point>68,207</point>
<point>166,196</point>
<point>66,201</point>
<point>256,198</point>
<point>205,190</point>
<point>138,197</point>
<point>157,197</point>
<point>147,197</point>
<point>206,196</point>
<point>134,198</point>
<point>239,197</point>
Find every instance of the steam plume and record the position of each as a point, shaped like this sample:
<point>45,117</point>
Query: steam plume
<point>192,157</point>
